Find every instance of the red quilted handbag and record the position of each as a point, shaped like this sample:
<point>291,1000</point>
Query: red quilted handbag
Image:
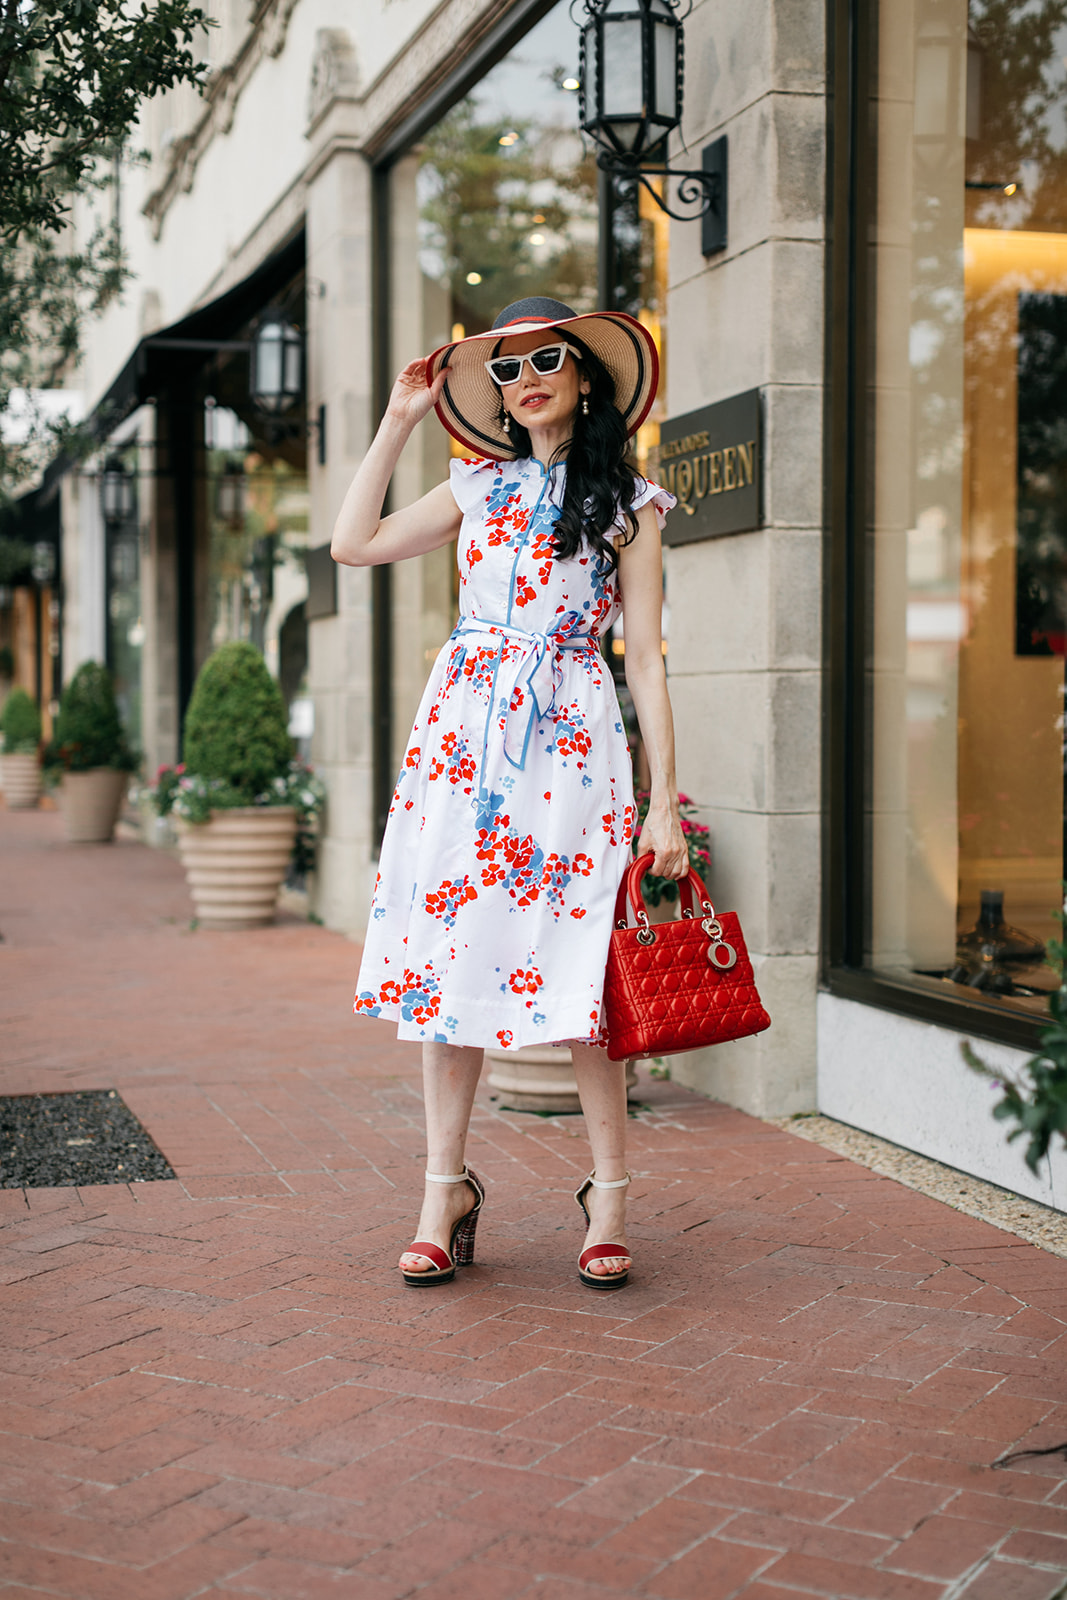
<point>679,985</point>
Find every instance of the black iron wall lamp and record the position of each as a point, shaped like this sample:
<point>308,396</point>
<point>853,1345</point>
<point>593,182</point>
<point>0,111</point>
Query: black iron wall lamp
<point>277,368</point>
<point>631,76</point>
<point>118,491</point>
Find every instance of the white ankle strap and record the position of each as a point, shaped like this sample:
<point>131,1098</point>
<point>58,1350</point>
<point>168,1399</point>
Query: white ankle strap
<point>619,1183</point>
<point>447,1177</point>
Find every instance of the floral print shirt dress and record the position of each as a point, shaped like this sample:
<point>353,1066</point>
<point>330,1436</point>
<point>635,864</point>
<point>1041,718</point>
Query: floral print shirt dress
<point>513,816</point>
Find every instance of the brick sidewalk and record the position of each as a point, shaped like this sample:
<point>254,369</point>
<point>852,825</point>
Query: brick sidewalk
<point>218,1386</point>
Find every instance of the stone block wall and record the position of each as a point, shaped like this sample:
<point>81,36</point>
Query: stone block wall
<point>745,645</point>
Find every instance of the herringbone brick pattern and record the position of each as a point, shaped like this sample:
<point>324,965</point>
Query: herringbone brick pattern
<point>217,1386</point>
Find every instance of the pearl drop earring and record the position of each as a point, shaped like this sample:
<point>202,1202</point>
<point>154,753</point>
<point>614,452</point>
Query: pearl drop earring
<point>585,408</point>
<point>507,423</point>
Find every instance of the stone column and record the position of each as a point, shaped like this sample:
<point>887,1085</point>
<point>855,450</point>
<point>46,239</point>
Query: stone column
<point>745,629</point>
<point>340,379</point>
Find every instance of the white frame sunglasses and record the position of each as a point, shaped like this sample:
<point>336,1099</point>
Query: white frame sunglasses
<point>531,356</point>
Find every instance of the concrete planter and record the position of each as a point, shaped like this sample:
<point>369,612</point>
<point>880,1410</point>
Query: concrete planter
<point>90,803</point>
<point>235,864</point>
<point>538,1078</point>
<point>20,779</point>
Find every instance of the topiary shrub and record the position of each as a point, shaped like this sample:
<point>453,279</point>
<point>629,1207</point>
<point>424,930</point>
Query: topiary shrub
<point>88,731</point>
<point>235,727</point>
<point>20,724</point>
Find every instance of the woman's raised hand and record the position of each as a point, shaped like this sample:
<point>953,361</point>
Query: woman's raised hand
<point>411,400</point>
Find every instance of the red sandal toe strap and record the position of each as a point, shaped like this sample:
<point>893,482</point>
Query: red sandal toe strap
<point>433,1252</point>
<point>602,1252</point>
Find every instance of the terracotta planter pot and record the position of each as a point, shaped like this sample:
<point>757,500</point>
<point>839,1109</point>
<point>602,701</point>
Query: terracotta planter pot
<point>235,864</point>
<point>90,804</point>
<point>20,779</point>
<point>538,1078</point>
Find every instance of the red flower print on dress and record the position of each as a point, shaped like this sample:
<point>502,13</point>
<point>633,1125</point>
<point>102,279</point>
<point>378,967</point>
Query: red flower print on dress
<point>525,980</point>
<point>571,736</point>
<point>524,590</point>
<point>413,757</point>
<point>448,898</point>
<point>455,760</point>
<point>504,1037</point>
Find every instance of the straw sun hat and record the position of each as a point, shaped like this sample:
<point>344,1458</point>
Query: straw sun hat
<point>469,405</point>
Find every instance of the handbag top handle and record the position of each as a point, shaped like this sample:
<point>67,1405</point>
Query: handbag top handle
<point>689,888</point>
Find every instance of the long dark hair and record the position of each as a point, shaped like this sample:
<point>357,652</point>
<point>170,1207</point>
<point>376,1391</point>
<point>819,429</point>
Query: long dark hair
<point>600,471</point>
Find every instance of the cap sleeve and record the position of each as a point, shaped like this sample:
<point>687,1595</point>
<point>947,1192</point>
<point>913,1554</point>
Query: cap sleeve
<point>466,476</point>
<point>662,499</point>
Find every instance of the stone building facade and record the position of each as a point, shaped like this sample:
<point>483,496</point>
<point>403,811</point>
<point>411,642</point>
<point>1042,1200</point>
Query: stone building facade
<point>332,173</point>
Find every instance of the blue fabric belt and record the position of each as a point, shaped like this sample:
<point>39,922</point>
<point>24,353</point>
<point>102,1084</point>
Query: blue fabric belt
<point>535,672</point>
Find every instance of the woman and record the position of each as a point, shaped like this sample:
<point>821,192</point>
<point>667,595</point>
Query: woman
<point>512,820</point>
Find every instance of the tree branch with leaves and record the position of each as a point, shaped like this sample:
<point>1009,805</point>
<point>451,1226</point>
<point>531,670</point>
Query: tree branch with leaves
<point>74,77</point>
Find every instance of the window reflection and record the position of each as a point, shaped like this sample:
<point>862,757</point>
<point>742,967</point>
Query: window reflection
<point>969,532</point>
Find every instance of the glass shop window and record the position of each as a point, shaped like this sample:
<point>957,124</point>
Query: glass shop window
<point>257,513</point>
<point>125,628</point>
<point>968,534</point>
<point>499,200</point>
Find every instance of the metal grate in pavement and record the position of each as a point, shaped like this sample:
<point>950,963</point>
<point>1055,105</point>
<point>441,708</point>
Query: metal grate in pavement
<point>60,1141</point>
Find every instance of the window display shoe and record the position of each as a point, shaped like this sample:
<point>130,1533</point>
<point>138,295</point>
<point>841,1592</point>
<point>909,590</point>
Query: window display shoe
<point>601,1252</point>
<point>460,1252</point>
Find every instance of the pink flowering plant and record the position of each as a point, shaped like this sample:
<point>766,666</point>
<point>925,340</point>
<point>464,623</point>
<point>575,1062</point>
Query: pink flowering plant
<point>238,751</point>
<point>194,798</point>
<point>698,842</point>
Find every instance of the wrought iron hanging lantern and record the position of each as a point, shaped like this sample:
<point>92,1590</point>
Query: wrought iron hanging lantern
<point>117,491</point>
<point>631,75</point>
<point>276,379</point>
<point>230,494</point>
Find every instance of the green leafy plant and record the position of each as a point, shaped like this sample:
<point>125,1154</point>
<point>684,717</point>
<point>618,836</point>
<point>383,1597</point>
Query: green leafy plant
<point>236,732</point>
<point>238,751</point>
<point>74,76</point>
<point>20,724</point>
<point>698,843</point>
<point>16,557</point>
<point>88,730</point>
<point>1036,1099</point>
<point>194,798</point>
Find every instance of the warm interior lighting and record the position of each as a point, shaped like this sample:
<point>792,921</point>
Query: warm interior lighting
<point>537,238</point>
<point>511,137</point>
<point>571,84</point>
<point>458,332</point>
<point>1010,188</point>
<point>474,277</point>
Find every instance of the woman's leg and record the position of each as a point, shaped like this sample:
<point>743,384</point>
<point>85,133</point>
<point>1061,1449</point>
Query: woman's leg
<point>450,1076</point>
<point>602,1091</point>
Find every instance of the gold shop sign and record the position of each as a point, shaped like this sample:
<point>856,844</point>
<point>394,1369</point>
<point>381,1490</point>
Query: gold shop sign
<point>712,460</point>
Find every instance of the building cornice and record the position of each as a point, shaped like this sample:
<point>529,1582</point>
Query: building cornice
<point>265,38</point>
<point>342,115</point>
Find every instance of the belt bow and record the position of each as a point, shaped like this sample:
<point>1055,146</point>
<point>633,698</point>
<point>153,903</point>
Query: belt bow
<point>536,672</point>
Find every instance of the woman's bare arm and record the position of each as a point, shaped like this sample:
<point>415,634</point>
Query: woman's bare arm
<point>361,536</point>
<point>641,582</point>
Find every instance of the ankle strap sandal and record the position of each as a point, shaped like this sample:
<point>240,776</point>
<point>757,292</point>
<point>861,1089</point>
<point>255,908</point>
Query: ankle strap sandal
<point>460,1252</point>
<point>601,1252</point>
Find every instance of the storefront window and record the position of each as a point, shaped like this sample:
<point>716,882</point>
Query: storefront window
<point>499,200</point>
<point>969,504</point>
<point>257,508</point>
<point>124,614</point>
